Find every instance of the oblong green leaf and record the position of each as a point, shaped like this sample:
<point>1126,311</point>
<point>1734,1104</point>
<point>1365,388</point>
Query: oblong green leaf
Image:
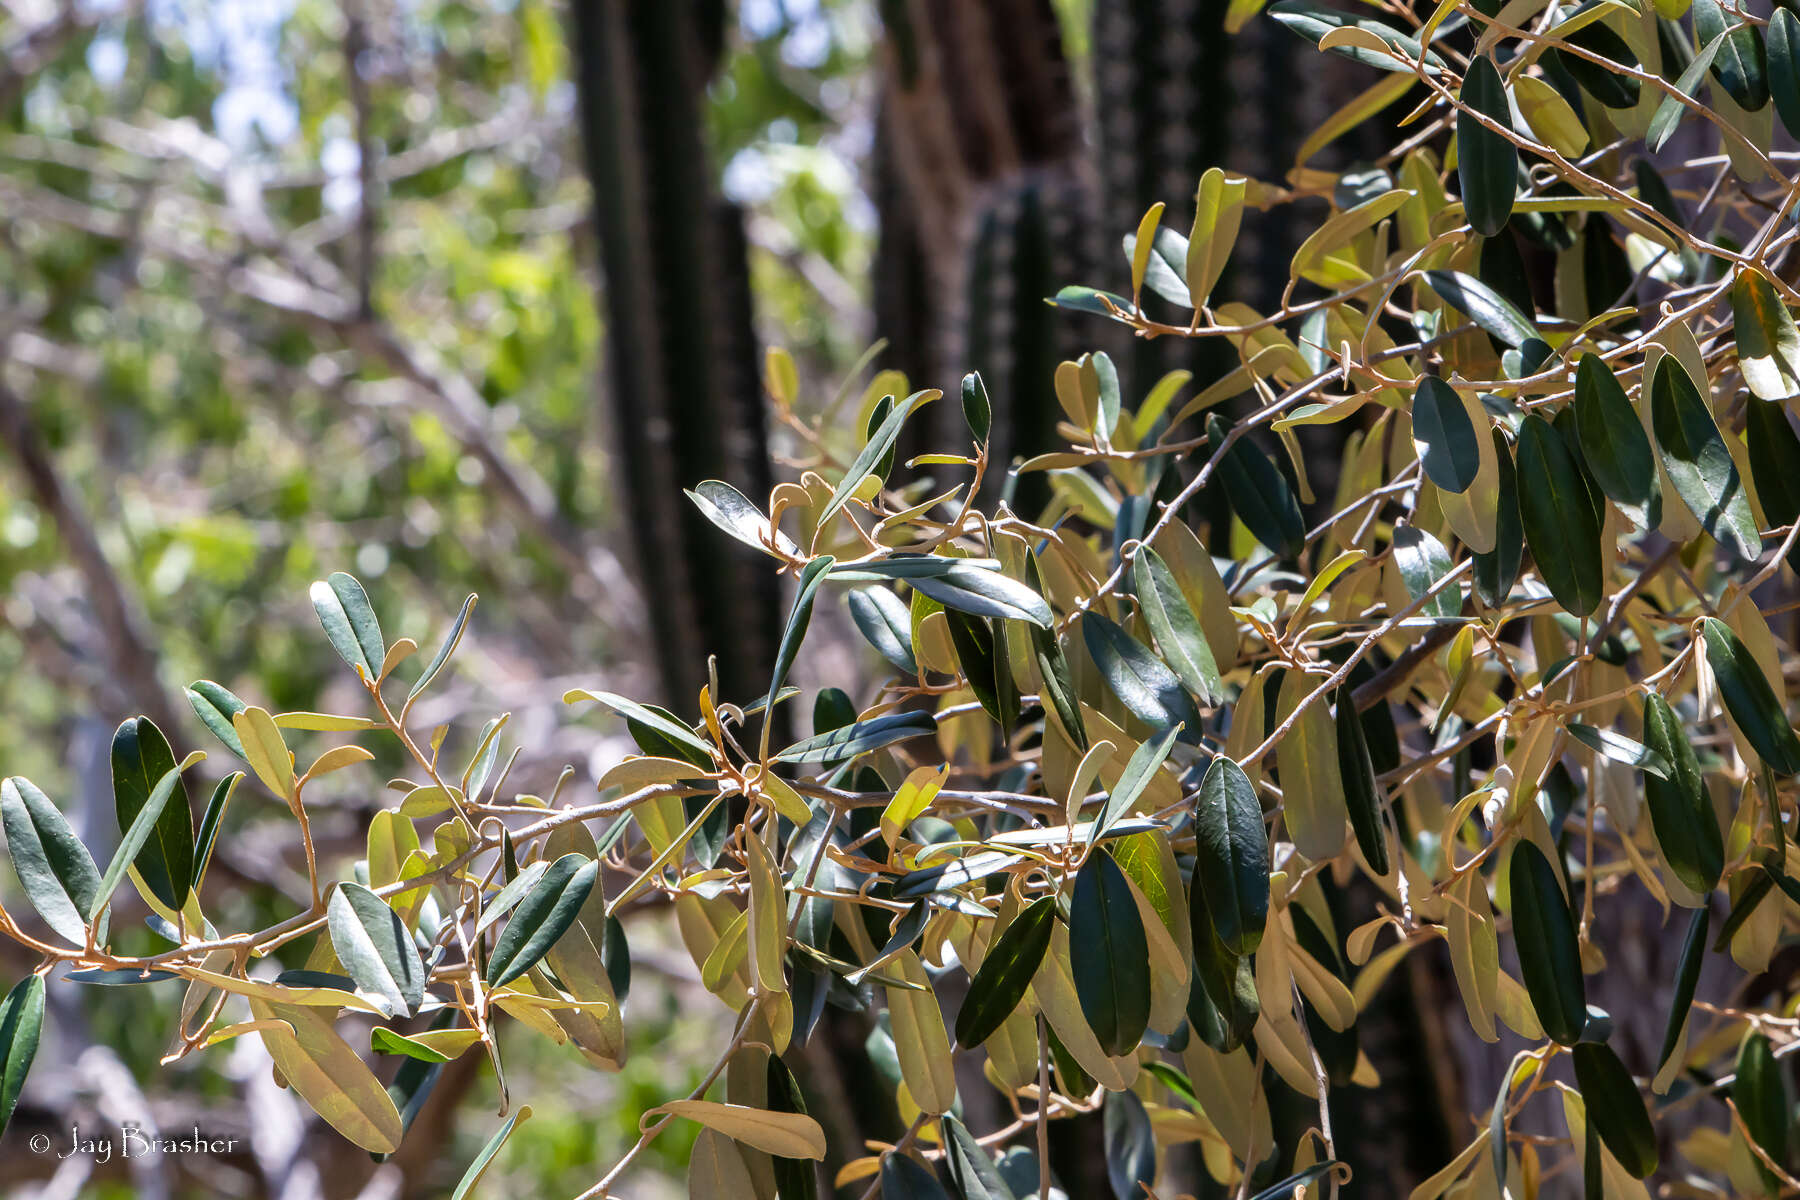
<point>1614,1105</point>
<point>1749,699</point>
<point>1558,519</point>
<point>1760,1093</point>
<point>973,1171</point>
<point>732,512</point>
<point>985,593</point>
<point>485,1158</point>
<point>349,622</point>
<point>1549,959</point>
<point>1423,561</point>
<point>1614,446</point>
<point>1139,770</point>
<point>1450,450</point>
<point>1109,955</point>
<point>812,575</point>
<point>58,872</point>
<point>1681,815</point>
<point>21,1024</point>
<point>1144,685</point>
<point>841,745</point>
<point>1313,21</point>
<point>163,852</point>
<point>1774,453</point>
<point>1498,569</point>
<point>208,834</point>
<point>1362,794</point>
<point>1175,626</point>
<point>1620,749</point>
<point>543,916</point>
<point>1258,493</point>
<point>1687,977</point>
<point>1129,1144</point>
<point>1697,461</point>
<point>886,623</point>
<point>1487,165</point>
<point>445,650</point>
<point>1610,88</point>
<point>376,948</point>
<point>879,444</point>
<point>978,410</point>
<point>216,706</point>
<point>1768,343</point>
<point>1006,972</point>
<point>1739,66</point>
<point>653,719</point>
<point>1231,857</point>
<point>906,1178</point>
<point>1491,312</point>
<point>1783,52</point>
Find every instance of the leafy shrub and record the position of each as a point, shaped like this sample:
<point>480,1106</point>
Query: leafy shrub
<point>1506,659</point>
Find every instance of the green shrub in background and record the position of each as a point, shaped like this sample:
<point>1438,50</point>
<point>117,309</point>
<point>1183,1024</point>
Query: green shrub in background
<point>1503,668</point>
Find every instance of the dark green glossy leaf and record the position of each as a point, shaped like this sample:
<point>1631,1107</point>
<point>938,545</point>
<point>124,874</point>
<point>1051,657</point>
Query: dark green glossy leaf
<point>1768,342</point>
<point>1614,447</point>
<point>1760,1093</point>
<point>1423,561</point>
<point>543,916</point>
<point>1144,685</point>
<point>1006,972</point>
<point>885,623</point>
<point>1313,21</point>
<point>1687,977</point>
<point>139,844</point>
<point>978,410</point>
<point>386,1041</point>
<point>1621,749</point>
<point>1232,856</point>
<point>1490,311</point>
<point>1487,165</point>
<point>451,641</point>
<point>1441,424</point>
<point>376,948</point>
<point>216,706</point>
<point>1686,828</point>
<point>1699,465</point>
<point>1498,569</point>
<point>1747,897</point>
<point>1362,794</point>
<point>799,617</point>
<point>1175,627</point>
<point>1222,1002</point>
<point>21,1022</point>
<point>840,745</point>
<point>985,593</point>
<point>58,872</point>
<point>973,1171</point>
<point>1129,1144</point>
<point>879,445</point>
<point>1108,955</point>
<point>1739,66</point>
<point>1783,50</point>
<point>615,956</point>
<point>984,666</point>
<point>349,623</point>
<point>655,719</point>
<point>1558,518</point>
<point>1670,111</point>
<point>466,1185</point>
<point>1139,770</point>
<point>885,464</point>
<point>1053,668</point>
<point>1774,453</point>
<point>795,1178</point>
<point>906,1178</point>
<point>1749,699</point>
<point>1614,1105</point>
<point>1258,493</point>
<point>208,834</point>
<point>1549,959</point>
<point>1608,87</point>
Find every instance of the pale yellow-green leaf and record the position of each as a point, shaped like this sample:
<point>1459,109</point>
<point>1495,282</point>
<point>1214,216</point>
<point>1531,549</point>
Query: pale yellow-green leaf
<point>1549,115</point>
<point>1218,211</point>
<point>325,1072</point>
<point>1145,243</point>
<point>920,1038</point>
<point>783,1134</point>
<point>911,799</point>
<point>265,750</point>
<point>1312,787</point>
<point>767,926</point>
<point>716,1169</point>
<point>336,759</point>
